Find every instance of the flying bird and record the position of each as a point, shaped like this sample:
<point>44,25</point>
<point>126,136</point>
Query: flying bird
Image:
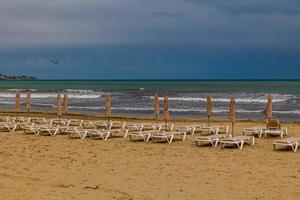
<point>55,61</point>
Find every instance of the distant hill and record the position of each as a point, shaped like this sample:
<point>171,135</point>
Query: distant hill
<point>16,78</point>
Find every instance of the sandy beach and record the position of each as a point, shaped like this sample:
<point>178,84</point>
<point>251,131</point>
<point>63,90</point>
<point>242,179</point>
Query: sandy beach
<point>56,167</point>
<point>82,81</point>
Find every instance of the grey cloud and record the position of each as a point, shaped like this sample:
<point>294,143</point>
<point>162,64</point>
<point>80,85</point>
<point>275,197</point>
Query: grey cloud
<point>166,14</point>
<point>263,7</point>
<point>203,23</point>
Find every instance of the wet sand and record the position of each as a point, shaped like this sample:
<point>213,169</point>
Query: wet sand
<point>46,167</point>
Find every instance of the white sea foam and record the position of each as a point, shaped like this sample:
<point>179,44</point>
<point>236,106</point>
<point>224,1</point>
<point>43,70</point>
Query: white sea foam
<point>287,111</point>
<point>79,91</point>
<point>282,98</point>
<point>7,102</point>
<point>176,110</point>
<point>50,95</point>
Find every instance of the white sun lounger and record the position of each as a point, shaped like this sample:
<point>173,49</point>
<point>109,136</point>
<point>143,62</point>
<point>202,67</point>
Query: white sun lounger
<point>292,142</point>
<point>118,124</point>
<point>166,127</point>
<point>134,127</point>
<point>254,131</point>
<point>75,122</point>
<point>145,135</point>
<point>238,141</point>
<point>102,134</point>
<point>210,139</point>
<point>186,129</point>
<point>48,130</point>
<point>168,136</point>
<point>61,122</point>
<point>163,136</point>
<point>75,132</point>
<point>20,120</point>
<point>11,127</point>
<point>152,127</point>
<point>222,128</point>
<point>103,124</point>
<point>4,118</point>
<point>119,132</point>
<point>41,120</point>
<point>209,130</point>
<point>181,135</point>
<point>87,124</point>
<point>274,128</point>
<point>281,132</point>
<point>30,128</point>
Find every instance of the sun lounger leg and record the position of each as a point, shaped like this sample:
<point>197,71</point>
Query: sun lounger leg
<point>241,145</point>
<point>107,136</point>
<point>8,129</point>
<point>216,143</point>
<point>126,133</point>
<point>149,136</point>
<point>14,128</point>
<point>124,124</point>
<point>222,146</point>
<point>171,139</point>
<point>193,131</point>
<point>274,147</point>
<point>216,131</point>
<point>55,132</point>
<point>296,147</point>
<point>84,135</point>
<point>285,131</point>
<point>260,133</point>
<point>184,136</point>
<point>168,141</point>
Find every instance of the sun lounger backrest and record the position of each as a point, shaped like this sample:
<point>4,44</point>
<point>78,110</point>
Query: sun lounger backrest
<point>273,124</point>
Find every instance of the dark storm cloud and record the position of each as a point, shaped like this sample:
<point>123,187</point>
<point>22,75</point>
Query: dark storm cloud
<point>173,38</point>
<point>166,14</point>
<point>264,7</point>
<point>232,23</point>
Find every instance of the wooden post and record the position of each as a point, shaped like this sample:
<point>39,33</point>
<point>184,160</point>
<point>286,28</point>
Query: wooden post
<point>18,102</point>
<point>28,101</point>
<point>65,104</point>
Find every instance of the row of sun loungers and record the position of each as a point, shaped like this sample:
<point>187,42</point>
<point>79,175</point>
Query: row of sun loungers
<point>210,135</point>
<point>94,129</point>
<point>214,140</point>
<point>273,128</point>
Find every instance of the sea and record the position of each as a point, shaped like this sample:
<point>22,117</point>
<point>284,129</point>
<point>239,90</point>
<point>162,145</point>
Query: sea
<point>134,98</point>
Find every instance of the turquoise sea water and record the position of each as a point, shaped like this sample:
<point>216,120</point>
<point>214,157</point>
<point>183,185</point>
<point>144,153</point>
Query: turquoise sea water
<point>187,98</point>
<point>271,86</point>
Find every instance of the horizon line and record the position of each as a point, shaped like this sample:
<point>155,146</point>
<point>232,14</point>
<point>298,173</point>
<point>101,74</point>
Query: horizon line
<point>275,79</point>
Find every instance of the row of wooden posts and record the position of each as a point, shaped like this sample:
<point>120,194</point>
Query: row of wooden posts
<point>166,114</point>
<point>63,109</point>
<point>60,109</point>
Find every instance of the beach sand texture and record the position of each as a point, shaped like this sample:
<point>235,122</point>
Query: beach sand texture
<point>44,167</point>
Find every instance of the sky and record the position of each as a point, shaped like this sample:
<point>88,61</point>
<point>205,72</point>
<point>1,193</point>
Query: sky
<point>151,39</point>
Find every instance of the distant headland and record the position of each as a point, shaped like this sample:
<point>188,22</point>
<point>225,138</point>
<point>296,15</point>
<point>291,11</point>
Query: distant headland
<point>16,78</point>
